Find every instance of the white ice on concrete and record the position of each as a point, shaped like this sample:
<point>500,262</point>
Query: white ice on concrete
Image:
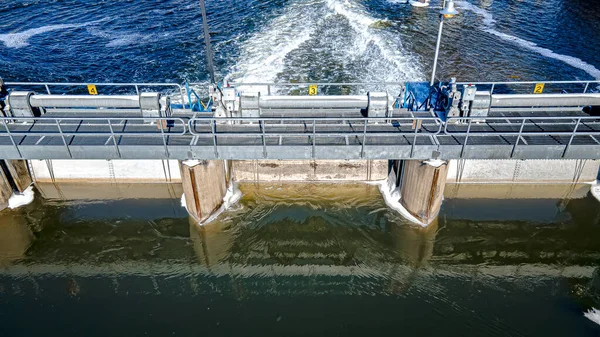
<point>593,315</point>
<point>191,163</point>
<point>435,162</point>
<point>21,199</point>
<point>232,196</point>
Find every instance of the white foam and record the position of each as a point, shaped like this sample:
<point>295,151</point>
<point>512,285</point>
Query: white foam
<point>232,196</point>
<point>21,39</point>
<point>391,195</point>
<point>400,66</point>
<point>21,199</point>
<point>488,26</point>
<point>593,315</point>
<point>263,55</point>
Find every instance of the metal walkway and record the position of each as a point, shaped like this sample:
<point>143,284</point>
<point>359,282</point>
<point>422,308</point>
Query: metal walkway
<point>552,137</point>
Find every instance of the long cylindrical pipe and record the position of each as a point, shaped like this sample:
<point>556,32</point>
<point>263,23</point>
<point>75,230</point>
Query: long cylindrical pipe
<point>313,102</point>
<point>100,101</point>
<point>545,100</point>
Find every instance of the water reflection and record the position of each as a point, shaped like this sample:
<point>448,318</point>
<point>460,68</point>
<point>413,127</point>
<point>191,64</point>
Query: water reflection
<point>289,254</point>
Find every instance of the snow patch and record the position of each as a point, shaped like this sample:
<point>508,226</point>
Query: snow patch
<point>21,199</point>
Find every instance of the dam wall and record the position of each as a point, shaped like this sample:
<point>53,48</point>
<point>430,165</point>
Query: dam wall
<point>522,171</point>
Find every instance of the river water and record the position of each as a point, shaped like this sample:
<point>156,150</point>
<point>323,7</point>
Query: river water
<point>299,259</point>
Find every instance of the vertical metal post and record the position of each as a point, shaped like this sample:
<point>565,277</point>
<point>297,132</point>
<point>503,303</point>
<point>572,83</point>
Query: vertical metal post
<point>466,138</point>
<point>162,133</point>
<point>112,134</point>
<point>414,142</point>
<point>209,51</point>
<point>518,138</point>
<point>314,141</point>
<point>492,89</point>
<point>364,140</point>
<point>12,138</point>
<point>437,50</point>
<point>214,133</point>
<point>586,87</point>
<point>63,138</point>
<point>264,142</point>
<point>268,90</point>
<point>572,136</point>
<point>47,89</point>
<point>137,90</point>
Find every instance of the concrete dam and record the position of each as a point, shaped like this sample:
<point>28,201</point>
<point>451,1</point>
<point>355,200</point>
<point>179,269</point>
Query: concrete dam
<point>412,137</point>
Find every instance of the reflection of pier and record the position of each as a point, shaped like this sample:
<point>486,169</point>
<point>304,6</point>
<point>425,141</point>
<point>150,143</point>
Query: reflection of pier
<point>163,249</point>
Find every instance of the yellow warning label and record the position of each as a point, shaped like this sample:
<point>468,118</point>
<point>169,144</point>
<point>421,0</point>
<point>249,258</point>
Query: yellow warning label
<point>539,88</point>
<point>313,90</point>
<point>92,89</point>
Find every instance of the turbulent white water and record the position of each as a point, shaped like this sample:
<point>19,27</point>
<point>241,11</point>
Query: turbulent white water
<point>309,27</point>
<point>21,39</point>
<point>489,24</point>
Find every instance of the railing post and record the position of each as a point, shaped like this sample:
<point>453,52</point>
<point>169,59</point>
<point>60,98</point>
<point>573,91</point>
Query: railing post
<point>264,142</point>
<point>314,141</point>
<point>587,84</point>
<point>47,89</point>
<point>462,151</point>
<point>572,136</point>
<point>364,140</point>
<point>492,89</point>
<point>112,134</point>
<point>62,135</point>
<point>414,142</point>
<point>518,138</point>
<point>162,133</point>
<point>12,139</point>
<point>214,133</point>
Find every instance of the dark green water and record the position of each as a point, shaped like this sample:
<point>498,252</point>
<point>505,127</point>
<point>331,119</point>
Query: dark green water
<point>328,260</point>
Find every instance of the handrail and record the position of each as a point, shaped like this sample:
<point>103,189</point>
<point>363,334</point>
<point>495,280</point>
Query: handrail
<point>521,122</point>
<point>64,134</point>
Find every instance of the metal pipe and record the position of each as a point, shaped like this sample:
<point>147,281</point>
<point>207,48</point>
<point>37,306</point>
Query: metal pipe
<point>437,50</point>
<point>70,101</point>
<point>313,102</point>
<point>545,100</point>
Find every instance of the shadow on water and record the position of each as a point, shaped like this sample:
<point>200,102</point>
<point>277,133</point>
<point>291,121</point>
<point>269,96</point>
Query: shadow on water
<point>332,255</point>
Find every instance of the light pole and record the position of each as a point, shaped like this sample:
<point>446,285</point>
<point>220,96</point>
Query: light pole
<point>209,52</point>
<point>448,11</point>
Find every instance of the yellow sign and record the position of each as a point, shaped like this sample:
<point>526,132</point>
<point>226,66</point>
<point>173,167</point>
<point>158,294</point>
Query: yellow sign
<point>92,89</point>
<point>313,90</point>
<point>539,88</point>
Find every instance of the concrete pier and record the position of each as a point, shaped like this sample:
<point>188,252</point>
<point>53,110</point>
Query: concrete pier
<point>204,186</point>
<point>15,177</point>
<point>422,188</point>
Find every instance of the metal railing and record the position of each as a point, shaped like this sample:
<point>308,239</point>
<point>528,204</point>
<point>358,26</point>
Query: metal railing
<point>415,127</point>
<point>270,85</point>
<point>529,86</point>
<point>13,127</point>
<point>574,123</point>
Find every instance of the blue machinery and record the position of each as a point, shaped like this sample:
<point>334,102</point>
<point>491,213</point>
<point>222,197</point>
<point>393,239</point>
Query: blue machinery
<point>493,120</point>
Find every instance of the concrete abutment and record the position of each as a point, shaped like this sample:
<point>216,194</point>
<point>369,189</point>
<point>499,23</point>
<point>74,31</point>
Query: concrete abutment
<point>204,186</point>
<point>15,178</point>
